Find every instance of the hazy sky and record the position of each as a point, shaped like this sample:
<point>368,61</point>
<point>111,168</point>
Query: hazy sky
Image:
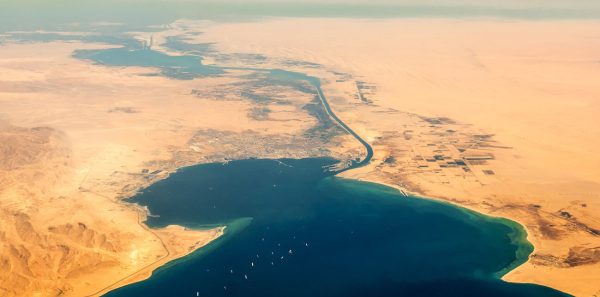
<point>570,4</point>
<point>39,13</point>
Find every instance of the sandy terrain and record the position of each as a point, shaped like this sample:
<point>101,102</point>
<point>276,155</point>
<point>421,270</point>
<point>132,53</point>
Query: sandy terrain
<point>76,138</point>
<point>495,115</point>
<point>55,235</point>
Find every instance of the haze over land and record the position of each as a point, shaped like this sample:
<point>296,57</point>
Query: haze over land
<point>517,100</point>
<point>34,14</point>
<point>491,105</point>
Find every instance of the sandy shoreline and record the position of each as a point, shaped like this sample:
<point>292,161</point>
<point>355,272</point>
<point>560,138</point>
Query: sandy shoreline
<point>174,252</point>
<point>78,138</point>
<point>464,111</point>
<point>469,112</point>
<point>478,210</point>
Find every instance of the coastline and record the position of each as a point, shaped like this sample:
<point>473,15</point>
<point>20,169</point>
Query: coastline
<point>187,265</point>
<point>524,272</point>
<point>477,87</point>
<point>522,239</point>
<point>530,270</point>
<point>106,173</point>
<point>222,233</point>
<point>218,235</point>
<point>525,247</point>
<point>173,254</point>
<point>225,233</point>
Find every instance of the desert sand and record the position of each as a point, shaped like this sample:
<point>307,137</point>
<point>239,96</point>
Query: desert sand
<point>77,138</point>
<point>495,115</point>
<point>498,116</point>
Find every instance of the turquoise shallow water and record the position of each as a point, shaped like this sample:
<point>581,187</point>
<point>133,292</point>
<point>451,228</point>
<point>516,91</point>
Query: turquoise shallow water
<point>296,230</point>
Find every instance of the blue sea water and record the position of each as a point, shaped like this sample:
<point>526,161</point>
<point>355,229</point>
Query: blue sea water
<point>294,229</point>
<point>297,230</point>
<point>181,67</point>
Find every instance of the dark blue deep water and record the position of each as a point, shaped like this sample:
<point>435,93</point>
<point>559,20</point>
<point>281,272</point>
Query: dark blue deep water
<point>297,230</point>
<point>294,229</point>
